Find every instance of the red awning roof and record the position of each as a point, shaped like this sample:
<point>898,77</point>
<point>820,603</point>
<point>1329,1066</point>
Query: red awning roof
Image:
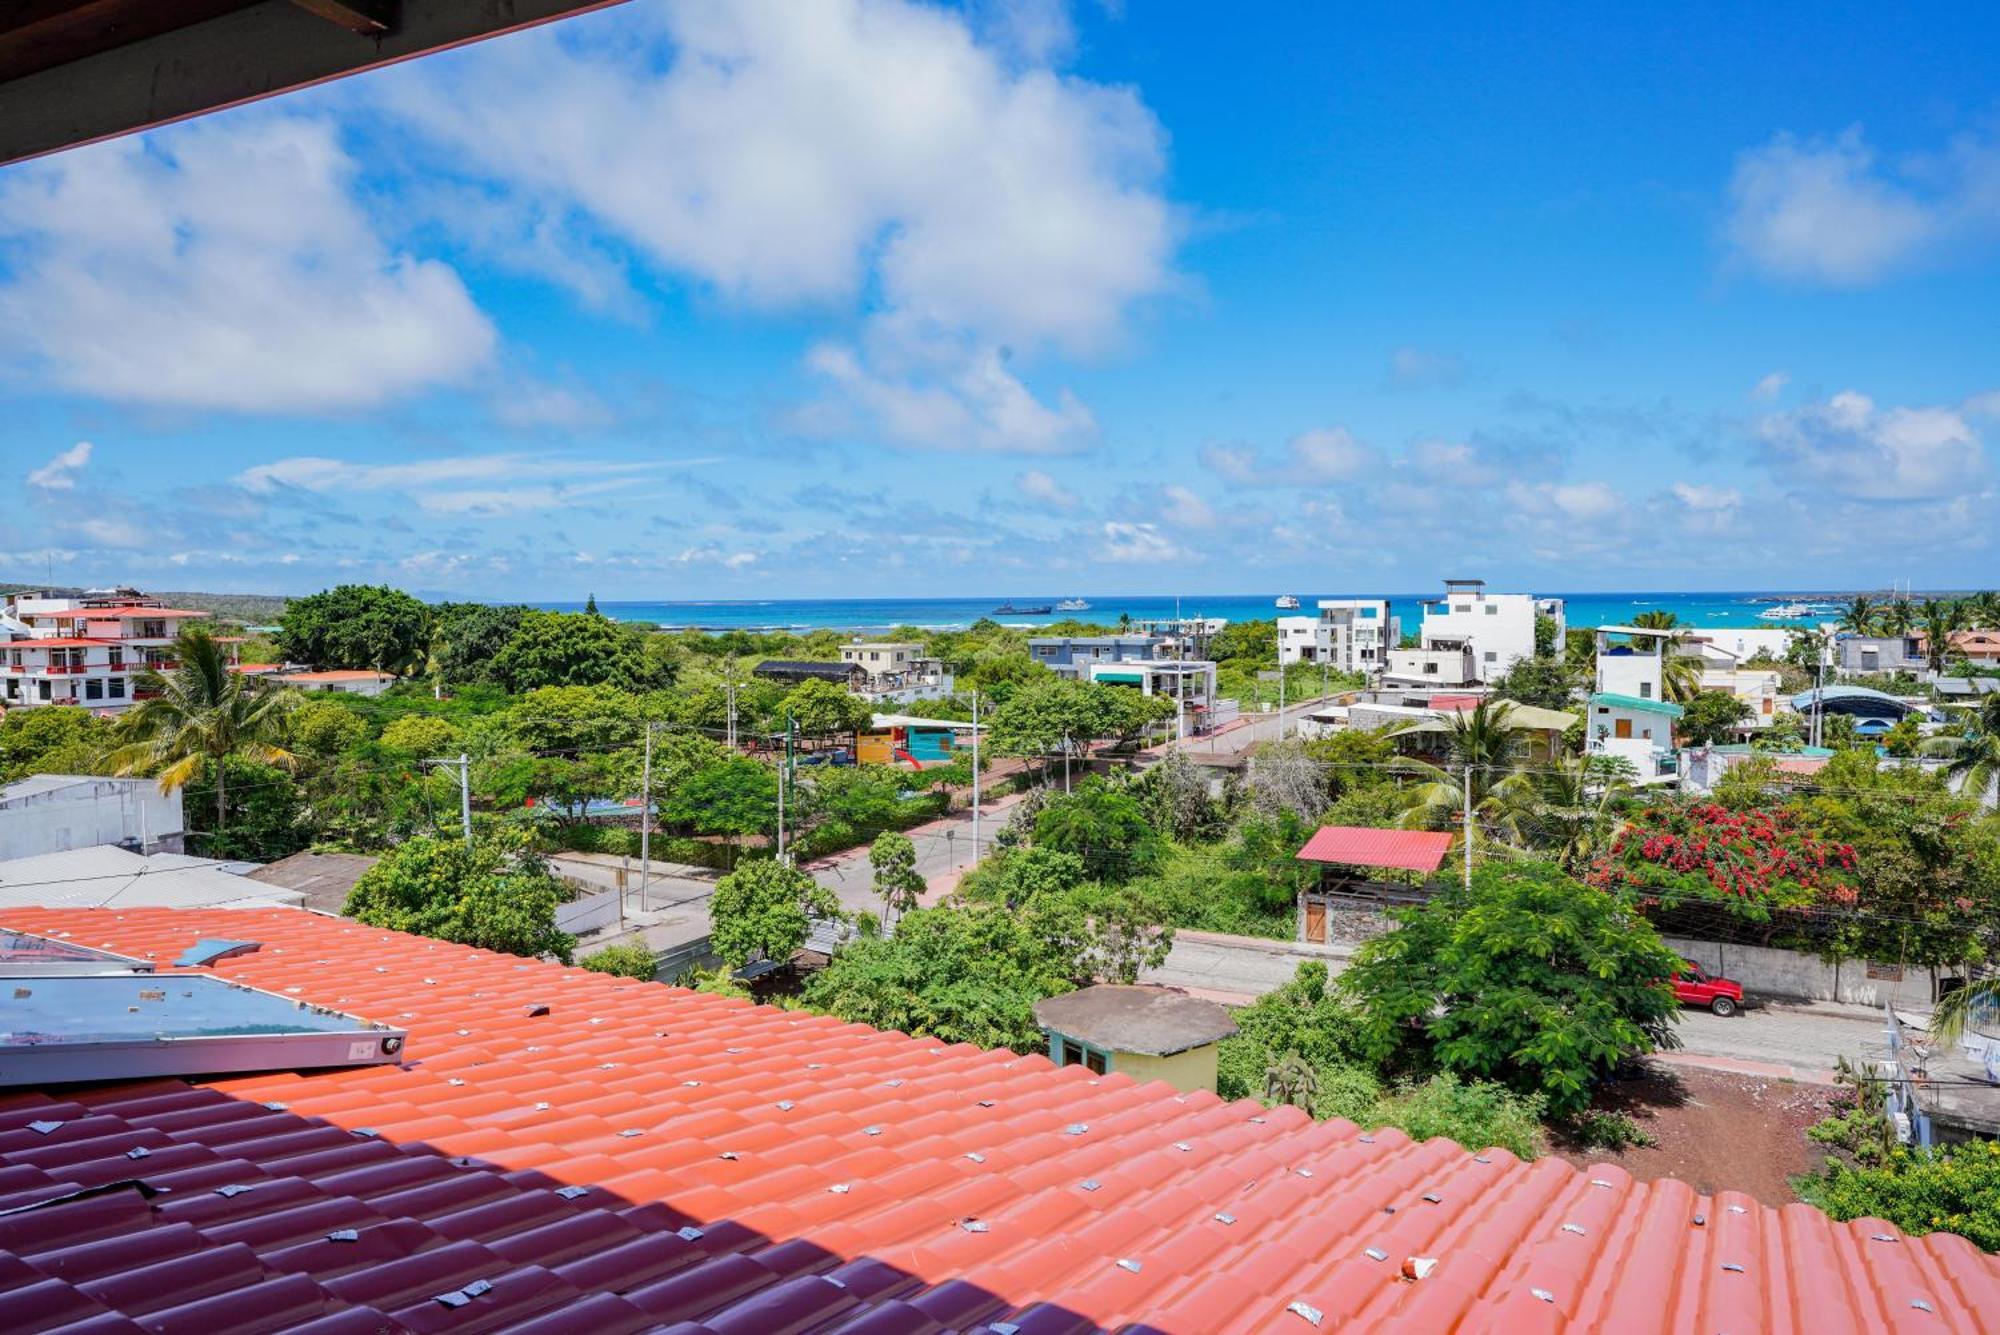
<point>56,642</point>
<point>1358,846</point>
<point>103,613</point>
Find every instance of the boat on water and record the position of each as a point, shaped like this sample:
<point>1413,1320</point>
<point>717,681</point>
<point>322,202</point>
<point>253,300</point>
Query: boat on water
<point>1009,610</point>
<point>1786,612</point>
<point>1287,602</point>
<point>1073,605</point>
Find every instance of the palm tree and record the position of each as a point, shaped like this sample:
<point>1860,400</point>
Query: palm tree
<point>1657,619</point>
<point>1862,616</point>
<point>1955,1010</point>
<point>1680,673</point>
<point>199,712</point>
<point>1897,617</point>
<point>1974,756</point>
<point>1484,750</point>
<point>1941,618</point>
<point>1982,610</point>
<point>1568,810</point>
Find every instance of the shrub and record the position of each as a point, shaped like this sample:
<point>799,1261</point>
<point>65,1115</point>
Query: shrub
<point>630,960</point>
<point>1475,1113</point>
<point>1920,1191</point>
<point>1613,1131</point>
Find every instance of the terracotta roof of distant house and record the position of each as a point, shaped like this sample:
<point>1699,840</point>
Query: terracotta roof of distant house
<point>1358,846</point>
<point>1456,701</point>
<point>562,1150</point>
<point>95,613</point>
<point>57,642</point>
<point>340,674</point>
<point>1156,1021</point>
<point>1799,764</point>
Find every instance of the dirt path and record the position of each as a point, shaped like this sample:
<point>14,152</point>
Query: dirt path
<point>1717,1130</point>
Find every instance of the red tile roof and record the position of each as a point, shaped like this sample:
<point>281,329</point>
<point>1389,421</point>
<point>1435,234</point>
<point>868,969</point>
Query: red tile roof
<point>1357,846</point>
<point>752,1171</point>
<point>56,642</point>
<point>101,613</point>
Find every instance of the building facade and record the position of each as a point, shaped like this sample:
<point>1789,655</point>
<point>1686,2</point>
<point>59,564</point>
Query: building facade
<point>1348,635</point>
<point>84,650</point>
<point>897,671</point>
<point>1497,628</point>
<point>53,813</point>
<point>1073,655</point>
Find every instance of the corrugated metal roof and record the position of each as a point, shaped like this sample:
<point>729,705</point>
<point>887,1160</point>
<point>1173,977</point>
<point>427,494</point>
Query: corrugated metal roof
<point>1358,846</point>
<point>1637,703</point>
<point>106,873</point>
<point>564,1150</point>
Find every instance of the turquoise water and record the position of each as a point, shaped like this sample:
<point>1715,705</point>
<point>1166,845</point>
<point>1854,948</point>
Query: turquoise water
<point>1717,610</point>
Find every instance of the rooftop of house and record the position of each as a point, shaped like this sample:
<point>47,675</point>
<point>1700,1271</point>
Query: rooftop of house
<point>324,879</point>
<point>564,1150</point>
<point>103,873</point>
<point>1158,1021</point>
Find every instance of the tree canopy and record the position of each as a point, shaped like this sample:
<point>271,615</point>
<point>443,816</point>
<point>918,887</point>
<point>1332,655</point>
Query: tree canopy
<point>497,894</point>
<point>573,649</point>
<point>764,909</point>
<point>367,626</point>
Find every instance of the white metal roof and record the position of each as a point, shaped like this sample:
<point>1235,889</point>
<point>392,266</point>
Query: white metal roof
<point>105,873</point>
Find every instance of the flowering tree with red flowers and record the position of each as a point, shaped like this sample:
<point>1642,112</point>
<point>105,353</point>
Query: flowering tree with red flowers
<point>1750,863</point>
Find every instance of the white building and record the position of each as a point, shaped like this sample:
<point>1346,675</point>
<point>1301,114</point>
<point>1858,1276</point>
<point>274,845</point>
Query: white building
<point>52,813</point>
<point>897,671</point>
<point>1191,682</point>
<point>84,649</point>
<point>1630,716</point>
<point>1441,662</point>
<point>1349,635</point>
<point>1497,627</point>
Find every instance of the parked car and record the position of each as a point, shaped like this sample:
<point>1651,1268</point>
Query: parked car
<point>1694,988</point>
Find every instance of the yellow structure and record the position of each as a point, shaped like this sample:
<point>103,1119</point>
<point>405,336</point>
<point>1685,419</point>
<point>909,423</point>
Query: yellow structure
<point>1146,1032</point>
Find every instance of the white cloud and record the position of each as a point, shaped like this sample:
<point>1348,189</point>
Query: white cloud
<point>791,154</point>
<point>1137,543</point>
<point>1770,387</point>
<point>976,406</point>
<point>1039,486</point>
<point>1311,458</point>
<point>1710,499</point>
<point>528,405</point>
<point>512,480</point>
<point>59,473</point>
<point>1577,501</point>
<point>1828,211</point>
<point>223,265</point>
<point>1847,446</point>
<point>1183,507</point>
<point>1417,368</point>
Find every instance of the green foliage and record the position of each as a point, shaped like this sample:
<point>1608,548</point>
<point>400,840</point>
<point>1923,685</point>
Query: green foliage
<point>1546,630</point>
<point>1476,1113</point>
<point>52,741</point>
<point>322,727</point>
<point>1611,1131</point>
<point>1954,1190</point>
<point>1712,718</point>
<point>468,637</point>
<point>1047,714</point>
<point>1253,641</point>
<point>263,814</point>
<point>893,860</point>
<point>497,895</point>
<point>420,736</point>
<point>633,959</point>
<point>1905,737</point>
<point>1542,681</point>
<point>1103,826</point>
<point>573,649</point>
<point>357,626</point>
<point>819,708</point>
<point>763,910</point>
<point>1529,978</point>
<point>731,797</point>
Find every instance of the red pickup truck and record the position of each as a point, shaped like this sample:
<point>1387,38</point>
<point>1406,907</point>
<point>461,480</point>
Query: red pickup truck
<point>1695,988</point>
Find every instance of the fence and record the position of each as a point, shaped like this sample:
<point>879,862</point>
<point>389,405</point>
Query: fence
<point>1790,973</point>
<point>588,913</point>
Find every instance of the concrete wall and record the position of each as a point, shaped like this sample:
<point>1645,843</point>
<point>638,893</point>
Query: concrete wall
<point>1185,1071</point>
<point>98,811</point>
<point>1788,973</point>
<point>588,913</point>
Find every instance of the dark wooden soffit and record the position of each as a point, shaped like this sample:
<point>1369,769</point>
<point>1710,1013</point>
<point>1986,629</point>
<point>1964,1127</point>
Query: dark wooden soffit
<point>76,71</point>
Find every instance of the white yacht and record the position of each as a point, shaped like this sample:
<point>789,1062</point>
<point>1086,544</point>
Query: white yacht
<point>1288,603</point>
<point>1073,605</point>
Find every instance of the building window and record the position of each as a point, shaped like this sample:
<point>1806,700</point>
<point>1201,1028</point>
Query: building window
<point>1493,609</point>
<point>1645,690</point>
<point>1368,613</point>
<point>1466,609</point>
<point>117,688</point>
<point>1492,656</point>
<point>44,691</point>
<point>93,689</point>
<point>1082,1054</point>
<point>1430,669</point>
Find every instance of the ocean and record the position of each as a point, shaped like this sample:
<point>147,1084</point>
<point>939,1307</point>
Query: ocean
<point>1714,611</point>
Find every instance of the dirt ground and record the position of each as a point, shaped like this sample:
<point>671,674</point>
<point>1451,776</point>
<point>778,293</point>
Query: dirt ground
<point>1716,1131</point>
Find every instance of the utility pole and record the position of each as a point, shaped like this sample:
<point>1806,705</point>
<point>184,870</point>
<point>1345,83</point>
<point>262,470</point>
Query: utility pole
<point>646,826</point>
<point>1065,761</point>
<point>1466,783</point>
<point>731,686</point>
<point>784,769</point>
<point>1281,697</point>
<point>975,778</point>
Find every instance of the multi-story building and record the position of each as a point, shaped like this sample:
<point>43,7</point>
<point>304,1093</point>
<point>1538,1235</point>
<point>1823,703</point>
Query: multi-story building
<point>1190,683</point>
<point>1073,655</point>
<point>897,671</point>
<point>1497,627</point>
<point>1349,634</point>
<point>1630,716</point>
<point>84,649</point>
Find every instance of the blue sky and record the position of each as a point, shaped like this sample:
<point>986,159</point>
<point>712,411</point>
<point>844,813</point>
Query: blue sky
<point>877,298</point>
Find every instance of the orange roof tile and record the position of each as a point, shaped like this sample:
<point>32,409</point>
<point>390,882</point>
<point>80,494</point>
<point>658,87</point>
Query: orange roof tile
<point>748,1170</point>
<point>1361,846</point>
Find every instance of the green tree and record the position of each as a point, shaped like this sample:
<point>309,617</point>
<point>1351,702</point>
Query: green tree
<point>1051,714</point>
<point>1955,1190</point>
<point>199,713</point>
<point>468,637</point>
<point>1570,809</point>
<point>821,708</point>
<point>1528,978</point>
<point>1547,629</point>
<point>1940,619</point>
<point>1484,749</point>
<point>1898,617</point>
<point>265,812</point>
<point>1103,826</point>
<point>1905,737</point>
<point>572,649</point>
<point>764,909</point>
<point>733,797</point>
<point>1712,718</point>
<point>357,626</point>
<point>633,959</point>
<point>1982,610</point>
<point>893,859</point>
<point>1861,616</point>
<point>322,727</point>
<point>497,895</point>
<point>420,736</point>
<point>52,741</point>
<point>1540,681</point>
